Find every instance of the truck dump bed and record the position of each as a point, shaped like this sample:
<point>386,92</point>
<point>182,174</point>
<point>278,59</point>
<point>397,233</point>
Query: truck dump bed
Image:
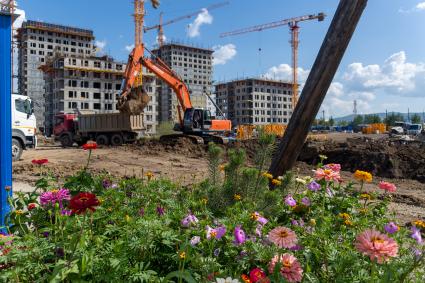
<point>110,122</point>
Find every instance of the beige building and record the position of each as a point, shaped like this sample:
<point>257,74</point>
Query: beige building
<point>194,66</point>
<point>92,85</point>
<point>255,101</point>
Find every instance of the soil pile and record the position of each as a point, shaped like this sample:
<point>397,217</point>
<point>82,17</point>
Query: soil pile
<point>383,157</point>
<point>182,146</point>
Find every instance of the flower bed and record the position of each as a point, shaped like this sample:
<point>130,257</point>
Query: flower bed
<point>229,228</point>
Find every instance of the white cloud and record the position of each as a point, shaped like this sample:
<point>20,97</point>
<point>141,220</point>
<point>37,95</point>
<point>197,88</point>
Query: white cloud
<point>223,53</point>
<point>129,48</point>
<point>420,6</point>
<point>284,72</point>
<point>395,76</point>
<point>100,44</point>
<point>203,18</point>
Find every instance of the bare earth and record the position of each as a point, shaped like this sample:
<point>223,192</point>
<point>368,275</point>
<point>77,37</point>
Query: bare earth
<point>184,166</point>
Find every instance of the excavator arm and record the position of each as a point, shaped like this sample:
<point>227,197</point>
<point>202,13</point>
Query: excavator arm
<point>133,98</point>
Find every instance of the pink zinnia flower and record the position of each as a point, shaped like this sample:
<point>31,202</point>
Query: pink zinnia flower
<point>283,237</point>
<point>333,166</point>
<point>290,268</point>
<point>386,186</point>
<point>376,245</point>
<point>327,174</point>
<point>54,196</point>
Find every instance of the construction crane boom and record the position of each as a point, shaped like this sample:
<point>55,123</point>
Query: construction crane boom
<point>293,25</point>
<point>161,24</point>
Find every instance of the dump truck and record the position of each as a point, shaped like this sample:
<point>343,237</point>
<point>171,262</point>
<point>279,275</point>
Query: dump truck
<point>106,129</point>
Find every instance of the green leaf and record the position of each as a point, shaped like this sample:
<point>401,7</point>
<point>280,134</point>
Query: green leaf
<point>180,274</point>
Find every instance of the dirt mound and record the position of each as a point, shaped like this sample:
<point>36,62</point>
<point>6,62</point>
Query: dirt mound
<point>383,157</point>
<point>183,146</point>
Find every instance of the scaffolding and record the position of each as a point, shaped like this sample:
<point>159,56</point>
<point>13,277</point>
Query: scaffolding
<point>58,28</point>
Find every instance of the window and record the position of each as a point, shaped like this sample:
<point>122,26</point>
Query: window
<point>108,96</point>
<point>97,64</point>
<point>71,94</point>
<point>84,94</point>
<point>96,106</point>
<point>96,95</point>
<point>117,86</point>
<point>23,106</point>
<point>72,105</point>
<point>96,75</point>
<point>96,85</point>
<point>108,106</point>
<point>84,105</point>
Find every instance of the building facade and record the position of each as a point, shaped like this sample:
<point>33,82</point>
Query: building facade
<point>89,85</point>
<point>194,66</point>
<point>255,101</point>
<point>37,41</point>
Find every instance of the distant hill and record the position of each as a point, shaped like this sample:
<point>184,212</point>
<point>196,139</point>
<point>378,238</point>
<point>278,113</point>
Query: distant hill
<point>350,118</point>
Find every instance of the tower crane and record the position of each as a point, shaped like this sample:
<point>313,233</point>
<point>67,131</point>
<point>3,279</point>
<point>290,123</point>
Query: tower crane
<point>160,26</point>
<point>294,30</point>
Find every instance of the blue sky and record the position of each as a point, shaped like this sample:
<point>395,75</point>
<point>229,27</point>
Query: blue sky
<point>383,68</point>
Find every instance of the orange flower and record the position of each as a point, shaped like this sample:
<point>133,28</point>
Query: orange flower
<point>237,197</point>
<point>419,223</point>
<point>276,182</point>
<point>268,175</point>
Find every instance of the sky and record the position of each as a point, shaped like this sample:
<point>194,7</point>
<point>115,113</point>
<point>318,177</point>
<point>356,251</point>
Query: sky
<point>383,67</point>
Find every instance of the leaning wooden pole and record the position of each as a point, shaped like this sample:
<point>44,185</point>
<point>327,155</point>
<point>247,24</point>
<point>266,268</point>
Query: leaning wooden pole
<point>330,55</point>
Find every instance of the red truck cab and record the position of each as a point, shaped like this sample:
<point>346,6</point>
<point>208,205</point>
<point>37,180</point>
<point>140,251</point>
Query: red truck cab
<point>64,128</point>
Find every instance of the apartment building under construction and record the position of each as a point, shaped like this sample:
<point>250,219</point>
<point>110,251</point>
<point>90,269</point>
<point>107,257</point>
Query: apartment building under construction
<point>255,101</point>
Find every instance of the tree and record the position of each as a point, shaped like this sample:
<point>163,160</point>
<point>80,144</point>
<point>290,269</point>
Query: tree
<point>372,119</point>
<point>358,119</point>
<point>342,123</point>
<point>392,118</point>
<point>416,119</point>
<point>331,121</point>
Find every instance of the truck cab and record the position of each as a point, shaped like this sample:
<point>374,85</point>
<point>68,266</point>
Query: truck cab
<point>414,129</point>
<point>64,129</point>
<point>23,125</point>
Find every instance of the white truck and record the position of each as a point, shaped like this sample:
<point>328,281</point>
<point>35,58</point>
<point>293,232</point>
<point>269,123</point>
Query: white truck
<point>23,125</point>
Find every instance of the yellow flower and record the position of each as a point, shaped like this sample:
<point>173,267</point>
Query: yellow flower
<point>19,212</point>
<point>348,222</point>
<point>204,200</point>
<point>344,216</point>
<point>237,197</point>
<point>366,196</point>
<point>255,216</point>
<point>222,167</point>
<point>182,255</point>
<point>110,209</point>
<point>276,182</point>
<point>268,175</point>
<point>313,222</point>
<point>300,181</point>
<point>419,223</point>
<point>127,218</point>
<point>363,211</point>
<point>54,191</point>
<point>363,176</point>
<point>149,175</point>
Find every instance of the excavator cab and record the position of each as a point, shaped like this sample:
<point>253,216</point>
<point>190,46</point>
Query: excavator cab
<point>196,120</point>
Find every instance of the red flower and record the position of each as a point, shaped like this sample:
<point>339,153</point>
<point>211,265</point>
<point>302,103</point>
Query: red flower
<point>257,275</point>
<point>39,161</point>
<point>83,201</point>
<point>31,206</point>
<point>90,146</point>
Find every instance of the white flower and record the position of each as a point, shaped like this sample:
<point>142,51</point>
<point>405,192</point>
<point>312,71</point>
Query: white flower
<point>227,280</point>
<point>301,181</point>
<point>280,178</point>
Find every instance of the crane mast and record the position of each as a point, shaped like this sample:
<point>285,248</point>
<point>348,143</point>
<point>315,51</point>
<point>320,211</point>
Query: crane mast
<point>294,29</point>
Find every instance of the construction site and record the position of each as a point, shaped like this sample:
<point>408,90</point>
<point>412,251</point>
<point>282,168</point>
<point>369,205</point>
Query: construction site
<point>160,114</point>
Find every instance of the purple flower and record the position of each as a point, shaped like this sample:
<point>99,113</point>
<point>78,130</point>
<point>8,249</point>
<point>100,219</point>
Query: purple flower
<point>289,200</point>
<point>314,186</point>
<point>46,234</point>
<point>258,230</point>
<point>216,252</point>
<point>416,234</point>
<point>240,237</point>
<point>160,210</point>
<point>296,248</point>
<point>329,192</point>
<point>294,222</point>
<point>216,233</point>
<point>417,253</point>
<point>391,228</point>
<point>106,184</point>
<point>189,220</point>
<point>306,201</point>
<point>54,196</point>
<point>260,219</point>
<point>66,212</point>
<point>195,240</point>
<point>142,212</point>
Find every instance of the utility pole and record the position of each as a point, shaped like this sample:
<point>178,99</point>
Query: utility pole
<point>330,55</point>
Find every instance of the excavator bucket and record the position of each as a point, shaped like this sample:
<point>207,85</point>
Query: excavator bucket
<point>134,102</point>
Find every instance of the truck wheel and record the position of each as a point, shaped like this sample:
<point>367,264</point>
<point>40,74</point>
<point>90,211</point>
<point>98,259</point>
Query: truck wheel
<point>66,140</point>
<point>16,150</point>
<point>116,140</point>
<point>102,140</point>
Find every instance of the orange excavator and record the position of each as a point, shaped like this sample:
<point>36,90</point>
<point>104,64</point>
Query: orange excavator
<point>194,123</point>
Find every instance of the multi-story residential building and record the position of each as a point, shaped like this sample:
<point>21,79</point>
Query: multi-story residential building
<point>89,84</point>
<point>37,41</point>
<point>194,66</point>
<point>255,101</point>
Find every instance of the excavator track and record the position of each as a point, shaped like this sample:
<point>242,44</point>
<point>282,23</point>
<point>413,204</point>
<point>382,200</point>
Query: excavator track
<point>174,138</point>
